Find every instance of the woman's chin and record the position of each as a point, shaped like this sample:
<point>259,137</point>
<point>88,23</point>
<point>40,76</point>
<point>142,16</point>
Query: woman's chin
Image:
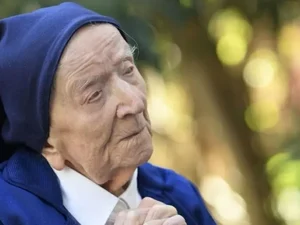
<point>113,188</point>
<point>119,182</point>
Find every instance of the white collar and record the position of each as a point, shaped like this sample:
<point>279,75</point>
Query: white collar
<point>89,203</point>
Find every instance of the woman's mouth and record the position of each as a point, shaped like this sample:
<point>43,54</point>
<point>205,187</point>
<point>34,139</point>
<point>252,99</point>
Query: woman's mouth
<point>134,134</point>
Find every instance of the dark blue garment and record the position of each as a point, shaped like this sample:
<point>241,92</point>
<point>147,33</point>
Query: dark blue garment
<point>30,48</point>
<point>30,193</point>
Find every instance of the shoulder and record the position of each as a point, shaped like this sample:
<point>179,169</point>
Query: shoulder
<point>166,179</point>
<point>18,206</point>
<point>9,200</point>
<point>13,201</point>
<point>176,190</point>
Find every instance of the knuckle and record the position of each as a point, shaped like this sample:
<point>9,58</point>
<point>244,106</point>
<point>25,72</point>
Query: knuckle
<point>162,211</point>
<point>175,220</point>
<point>148,199</point>
<point>158,207</point>
<point>132,215</point>
<point>151,201</point>
<point>158,210</point>
<point>122,214</point>
<point>173,209</point>
<point>167,208</point>
<point>180,218</point>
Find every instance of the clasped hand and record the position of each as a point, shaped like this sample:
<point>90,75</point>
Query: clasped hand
<point>150,212</point>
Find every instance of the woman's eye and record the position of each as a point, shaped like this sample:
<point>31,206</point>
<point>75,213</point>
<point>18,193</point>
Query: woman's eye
<point>129,70</point>
<point>95,96</point>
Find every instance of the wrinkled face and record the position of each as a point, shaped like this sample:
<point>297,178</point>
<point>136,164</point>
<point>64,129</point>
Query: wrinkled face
<point>99,120</point>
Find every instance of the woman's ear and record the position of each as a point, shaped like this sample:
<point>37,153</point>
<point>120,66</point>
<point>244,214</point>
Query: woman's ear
<point>53,156</point>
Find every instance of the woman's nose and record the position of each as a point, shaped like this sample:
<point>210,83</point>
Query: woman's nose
<point>131,100</point>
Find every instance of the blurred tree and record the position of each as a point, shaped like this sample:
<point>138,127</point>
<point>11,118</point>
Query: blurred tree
<point>182,24</point>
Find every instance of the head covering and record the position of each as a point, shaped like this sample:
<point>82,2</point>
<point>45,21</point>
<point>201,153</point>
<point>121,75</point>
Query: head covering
<point>31,46</point>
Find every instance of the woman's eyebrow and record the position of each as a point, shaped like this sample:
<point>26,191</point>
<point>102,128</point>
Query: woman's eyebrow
<point>81,84</point>
<point>127,54</point>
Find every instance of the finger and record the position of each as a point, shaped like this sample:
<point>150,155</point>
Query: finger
<point>142,214</point>
<point>131,218</point>
<point>128,216</point>
<point>149,202</point>
<point>175,220</point>
<point>156,222</point>
<point>161,212</point>
<point>121,217</point>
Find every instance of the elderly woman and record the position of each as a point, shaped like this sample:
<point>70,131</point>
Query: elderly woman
<point>76,134</point>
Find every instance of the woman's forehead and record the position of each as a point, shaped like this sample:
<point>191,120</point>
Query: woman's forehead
<point>91,51</point>
<point>98,41</point>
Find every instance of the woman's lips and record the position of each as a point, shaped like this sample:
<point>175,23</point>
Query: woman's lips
<point>134,134</point>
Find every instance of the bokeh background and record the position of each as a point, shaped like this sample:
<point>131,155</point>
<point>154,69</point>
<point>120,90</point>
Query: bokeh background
<point>224,95</point>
